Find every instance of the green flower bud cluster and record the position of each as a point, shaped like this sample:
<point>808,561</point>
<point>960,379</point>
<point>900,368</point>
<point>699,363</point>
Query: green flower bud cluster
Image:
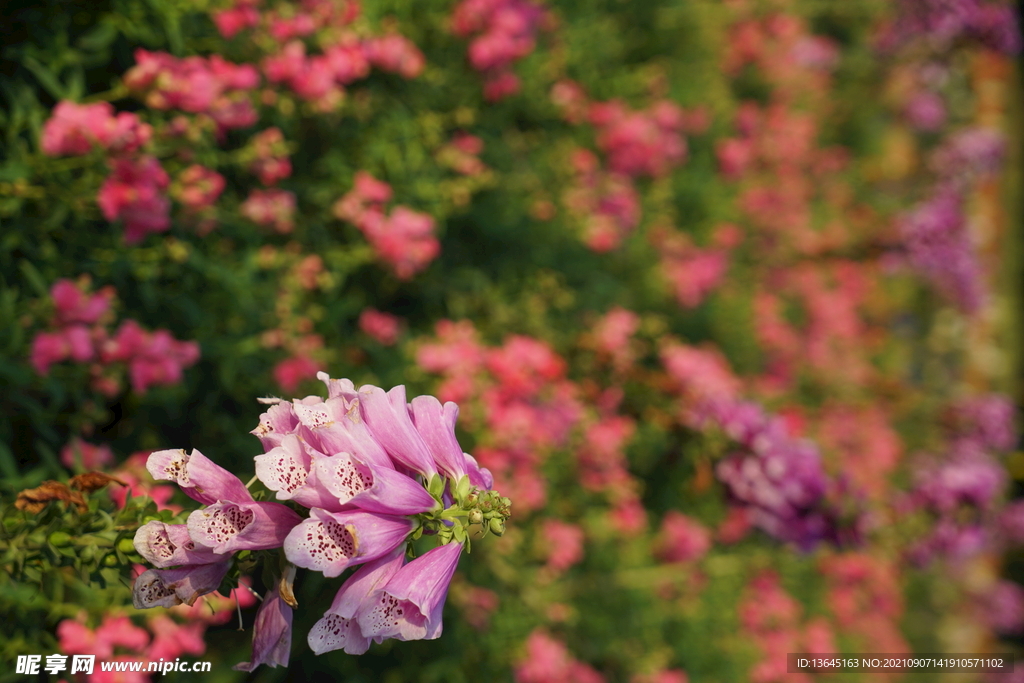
<point>474,512</point>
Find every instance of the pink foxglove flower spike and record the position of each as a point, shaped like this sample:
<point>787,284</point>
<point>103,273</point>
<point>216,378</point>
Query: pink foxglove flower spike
<point>375,474</point>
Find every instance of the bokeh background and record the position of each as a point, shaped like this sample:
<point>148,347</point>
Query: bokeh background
<point>728,292</point>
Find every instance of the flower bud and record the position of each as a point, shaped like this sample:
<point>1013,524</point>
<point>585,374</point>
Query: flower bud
<point>497,526</point>
<point>476,517</point>
<point>60,539</point>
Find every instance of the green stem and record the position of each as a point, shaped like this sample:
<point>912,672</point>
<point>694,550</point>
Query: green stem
<point>118,92</point>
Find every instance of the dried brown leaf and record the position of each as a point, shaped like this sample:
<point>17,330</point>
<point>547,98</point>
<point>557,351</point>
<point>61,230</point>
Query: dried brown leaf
<point>92,481</point>
<point>35,500</point>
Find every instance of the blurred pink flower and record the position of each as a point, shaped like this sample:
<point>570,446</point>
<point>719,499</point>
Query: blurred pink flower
<point>500,85</point>
<point>171,639</point>
<point>505,32</point>
<point>193,84</point>
<point>613,334</point>
<point>271,163</point>
<point>76,129</point>
<point>75,306</point>
<point>383,327</point>
<point>73,342</point>
<point>700,372</point>
<point>140,483</point>
<point>152,357</point>
<point>602,458</point>
<point>571,99</point>
<point>89,456</point>
<point>681,539</point>
<point>134,193</point>
<point>197,187</point>
<point>564,542</point>
<point>629,516</point>
<point>395,54</point>
<point>236,18</point>
<point>819,637</point>
<point>642,143</point>
<point>347,62</point>
<point>547,660</point>
<point>1002,607</point>
<point>290,372</point>
<point>735,526</point>
<point>405,239</point>
<point>270,208</point>
<point>926,111</point>
<point>523,365</point>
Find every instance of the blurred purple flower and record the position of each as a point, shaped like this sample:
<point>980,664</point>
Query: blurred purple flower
<point>938,246</point>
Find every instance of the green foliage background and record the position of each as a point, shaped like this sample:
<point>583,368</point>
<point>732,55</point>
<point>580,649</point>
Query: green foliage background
<point>500,267</point>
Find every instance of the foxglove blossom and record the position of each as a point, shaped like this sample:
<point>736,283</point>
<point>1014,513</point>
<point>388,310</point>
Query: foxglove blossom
<point>339,628</point>
<point>232,521</point>
<point>409,605</point>
<point>436,424</point>
<point>387,415</point>
<point>374,489</point>
<point>169,545</point>
<point>331,542</point>
<point>199,477</point>
<point>229,527</point>
<point>170,587</point>
<point>272,633</point>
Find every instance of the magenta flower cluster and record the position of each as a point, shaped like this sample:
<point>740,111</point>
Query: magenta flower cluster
<point>346,57</point>
<point>216,95</point>
<point>369,472</point>
<point>74,130</point>
<point>939,247</point>
<point>197,85</point>
<point>134,191</point>
<point>940,24</point>
<point>780,480</point>
<point>935,233</point>
<point>960,490</point>
<point>80,332</point>
<point>645,143</point>
<point>504,31</point>
<point>403,238</point>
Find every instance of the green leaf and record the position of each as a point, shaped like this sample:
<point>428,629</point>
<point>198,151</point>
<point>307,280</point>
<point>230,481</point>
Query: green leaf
<point>34,278</point>
<point>98,38</point>
<point>8,466</point>
<point>46,78</point>
<point>13,170</point>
